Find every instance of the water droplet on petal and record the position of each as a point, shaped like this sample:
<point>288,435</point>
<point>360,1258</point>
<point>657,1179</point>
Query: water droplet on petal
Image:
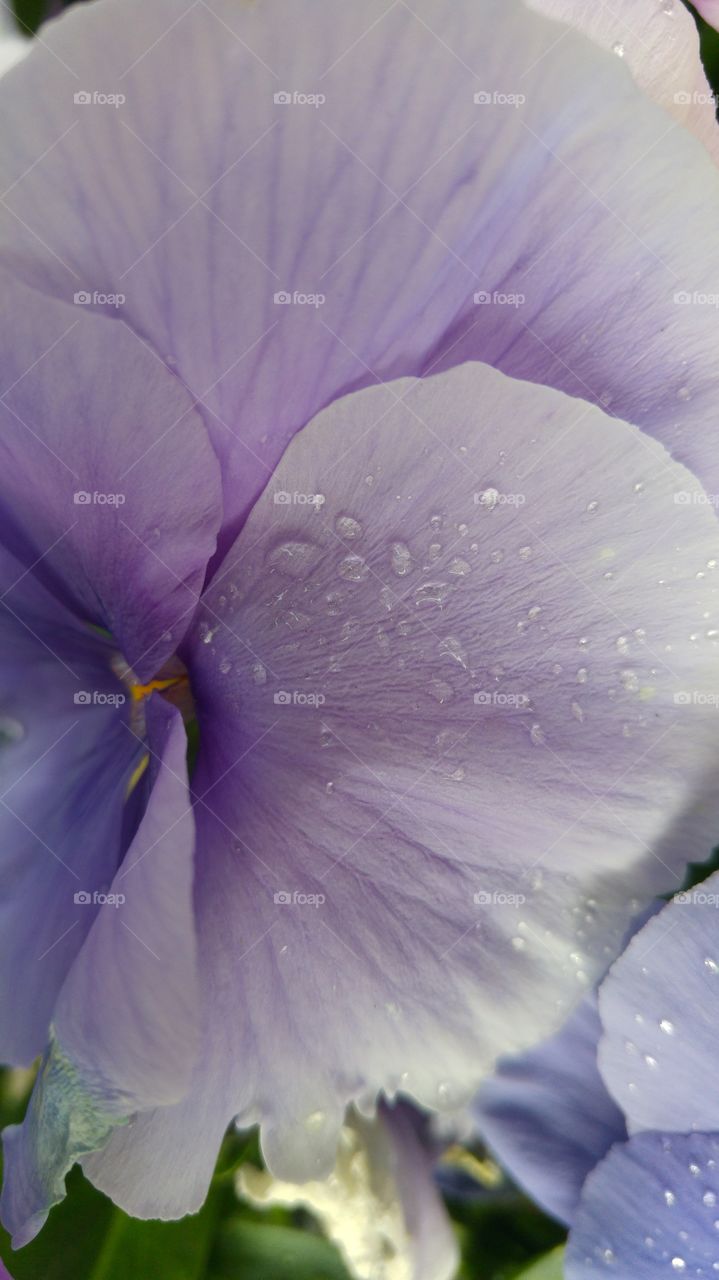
<point>348,528</point>
<point>401,559</point>
<point>353,568</point>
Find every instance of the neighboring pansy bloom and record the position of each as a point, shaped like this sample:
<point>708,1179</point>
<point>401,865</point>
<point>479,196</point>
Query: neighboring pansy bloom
<point>709,9</point>
<point>379,1205</point>
<point>383,265</point>
<point>659,41</point>
<point>647,1203</point>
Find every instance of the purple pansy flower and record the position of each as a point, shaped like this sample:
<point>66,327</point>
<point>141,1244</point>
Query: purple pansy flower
<point>644,1202</point>
<point>312,320</point>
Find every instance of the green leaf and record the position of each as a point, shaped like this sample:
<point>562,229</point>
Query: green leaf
<point>273,1253</point>
<point>88,1238</point>
<point>549,1267</point>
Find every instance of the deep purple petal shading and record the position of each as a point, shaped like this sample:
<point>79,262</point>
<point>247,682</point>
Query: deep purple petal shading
<point>397,882</point>
<point>660,1011</point>
<point>108,484</point>
<point>126,1021</point>
<point>64,770</point>
<point>649,1210</point>
<point>398,199</point>
<point>548,1116</point>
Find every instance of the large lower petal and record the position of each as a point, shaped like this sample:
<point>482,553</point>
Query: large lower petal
<point>660,43</point>
<point>108,483</point>
<point>126,1021</point>
<point>485,157</point>
<point>548,1116</point>
<point>440,753</point>
<point>659,1008</point>
<point>649,1210</point>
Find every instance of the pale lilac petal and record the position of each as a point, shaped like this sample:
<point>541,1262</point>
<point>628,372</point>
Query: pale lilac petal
<point>659,42</point>
<point>124,483</point>
<point>375,909</point>
<point>659,1007</point>
<point>548,1116</point>
<point>12,48</point>
<point>649,1210</point>
<point>709,9</point>
<point>381,1206</point>
<point>398,199</point>
<point>125,1026</point>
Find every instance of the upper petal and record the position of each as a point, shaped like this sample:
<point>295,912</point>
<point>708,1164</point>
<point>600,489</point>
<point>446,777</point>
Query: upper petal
<point>659,1008</point>
<point>709,9</point>
<point>397,199</point>
<point>109,485</point>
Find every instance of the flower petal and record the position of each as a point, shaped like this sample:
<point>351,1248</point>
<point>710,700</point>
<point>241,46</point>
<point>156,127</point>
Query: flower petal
<point>709,9</point>
<point>659,41</point>
<point>125,491</point>
<point>659,1008</point>
<point>548,1117</point>
<point>126,1020</point>
<point>66,757</point>
<point>648,1210</point>
<point>380,1206</point>
<point>397,881</point>
<point>398,199</point>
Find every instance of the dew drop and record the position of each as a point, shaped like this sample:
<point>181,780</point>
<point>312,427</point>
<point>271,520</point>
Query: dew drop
<point>619,49</point>
<point>459,568</point>
<point>711,965</point>
<point>11,730</point>
<point>525,553</point>
<point>667,1027</point>
<point>489,499</point>
<point>593,507</point>
<point>348,528</point>
<point>401,559</point>
<point>353,568</point>
<point>537,735</point>
<point>293,558</point>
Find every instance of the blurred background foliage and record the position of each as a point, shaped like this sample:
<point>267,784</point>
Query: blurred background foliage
<point>502,1235</point>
